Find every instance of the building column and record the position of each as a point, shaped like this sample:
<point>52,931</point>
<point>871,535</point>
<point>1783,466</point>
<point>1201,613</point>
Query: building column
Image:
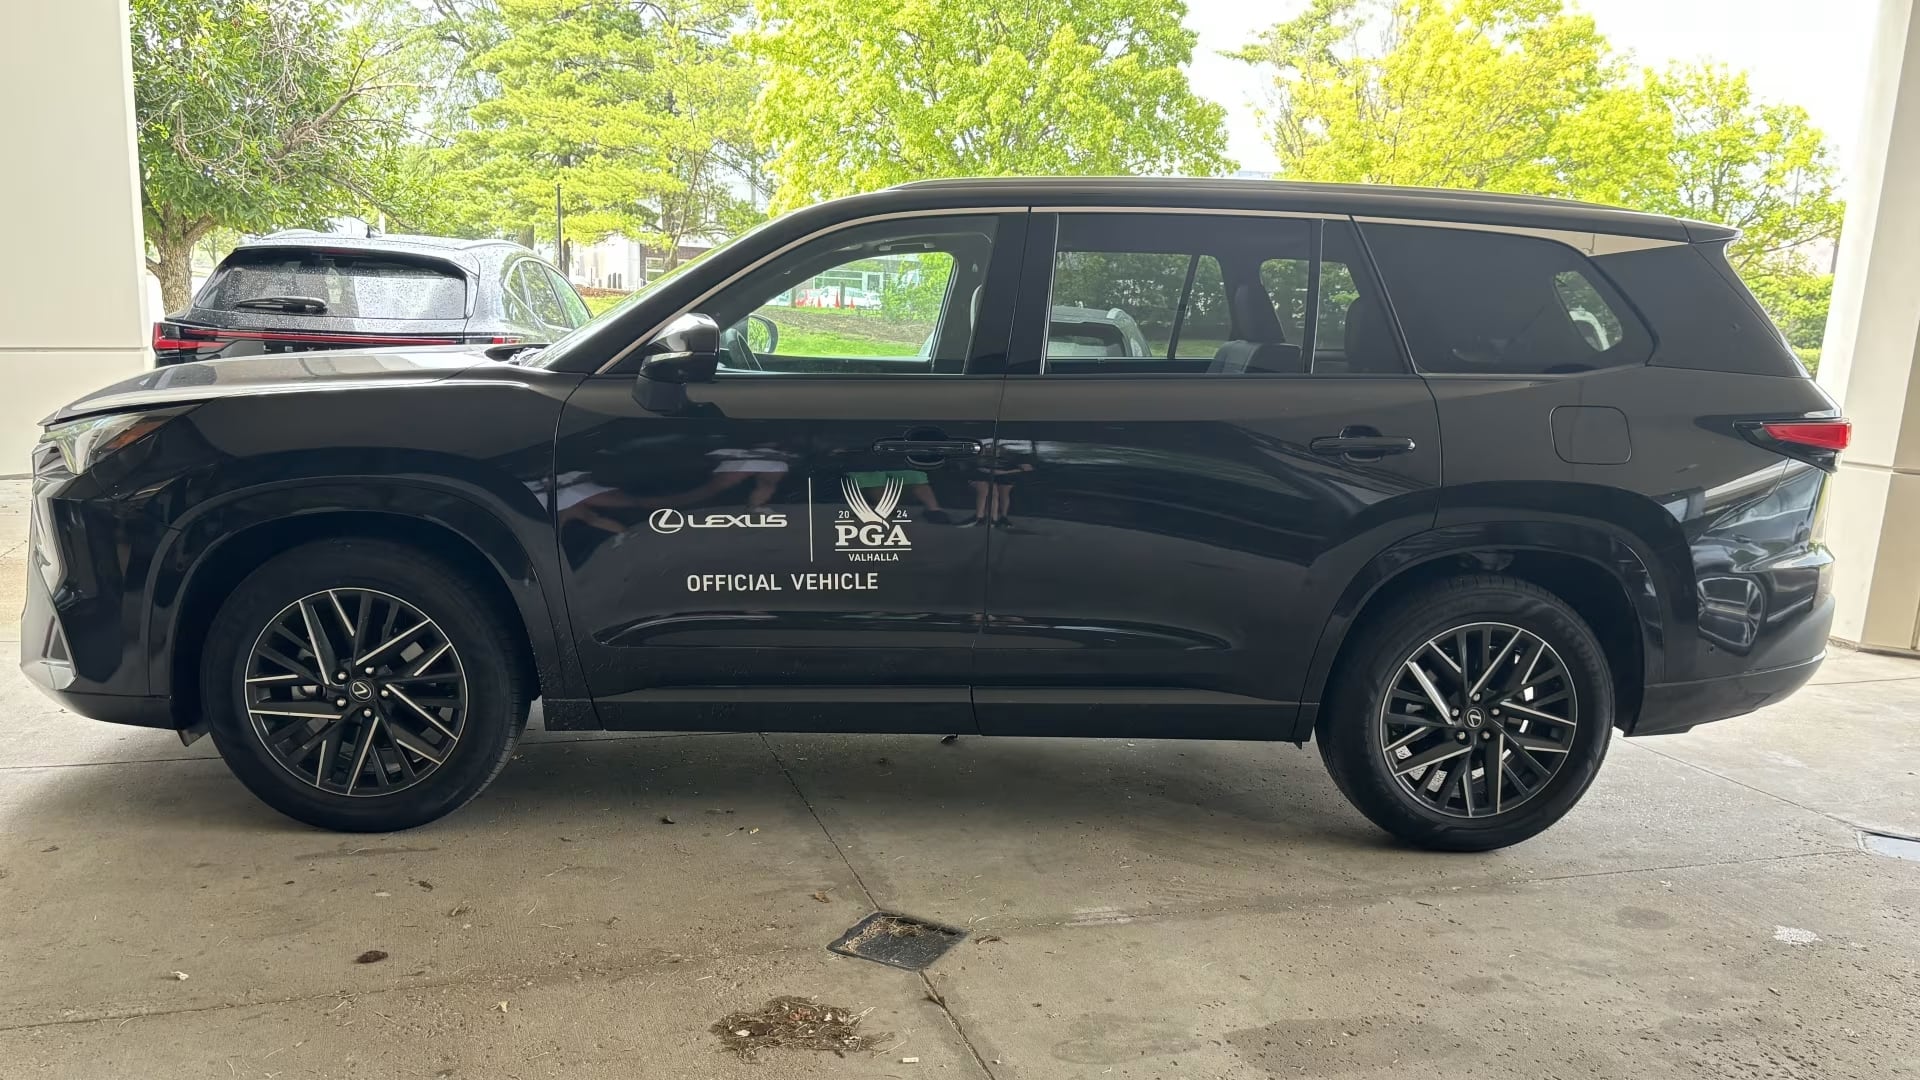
<point>1870,360</point>
<point>73,282</point>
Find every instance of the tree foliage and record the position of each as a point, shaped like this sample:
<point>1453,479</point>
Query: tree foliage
<point>636,111</point>
<point>861,94</point>
<point>255,114</point>
<point>1524,96</point>
<point>1437,93</point>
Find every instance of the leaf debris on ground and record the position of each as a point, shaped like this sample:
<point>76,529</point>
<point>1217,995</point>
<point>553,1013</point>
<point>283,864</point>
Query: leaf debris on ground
<point>371,956</point>
<point>795,1023</point>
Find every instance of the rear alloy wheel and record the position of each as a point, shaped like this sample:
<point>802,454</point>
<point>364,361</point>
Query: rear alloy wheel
<point>363,685</point>
<point>1470,715</point>
<point>1480,720</point>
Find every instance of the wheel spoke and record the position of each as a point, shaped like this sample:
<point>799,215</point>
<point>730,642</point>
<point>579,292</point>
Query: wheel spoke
<point>1535,714</point>
<point>1433,692</point>
<point>1437,754</point>
<point>394,640</point>
<point>362,747</point>
<point>1497,769</point>
<point>318,643</point>
<point>415,706</point>
<point>1493,665</point>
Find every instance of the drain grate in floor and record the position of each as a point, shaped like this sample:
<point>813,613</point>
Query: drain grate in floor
<point>1899,847</point>
<point>897,940</point>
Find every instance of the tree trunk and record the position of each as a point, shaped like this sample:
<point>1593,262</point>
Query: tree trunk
<point>174,268</point>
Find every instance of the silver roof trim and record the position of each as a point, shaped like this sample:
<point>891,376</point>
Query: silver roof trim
<point>961,211</point>
<point>1583,241</point>
<point>1188,211</point>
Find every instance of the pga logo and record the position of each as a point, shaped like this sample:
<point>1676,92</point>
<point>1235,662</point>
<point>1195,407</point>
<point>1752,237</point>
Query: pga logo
<point>875,525</point>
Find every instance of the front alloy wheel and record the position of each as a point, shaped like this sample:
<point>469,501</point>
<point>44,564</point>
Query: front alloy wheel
<point>356,692</point>
<point>362,684</point>
<point>1480,720</point>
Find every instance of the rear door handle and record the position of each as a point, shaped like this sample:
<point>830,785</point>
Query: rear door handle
<point>1362,446</point>
<point>929,448</point>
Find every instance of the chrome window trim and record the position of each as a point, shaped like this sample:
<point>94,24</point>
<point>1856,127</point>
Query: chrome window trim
<point>1189,211</point>
<point>960,211</point>
<point>1586,242</point>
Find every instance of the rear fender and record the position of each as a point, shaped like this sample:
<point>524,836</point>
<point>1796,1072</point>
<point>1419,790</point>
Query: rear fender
<point>1644,580</point>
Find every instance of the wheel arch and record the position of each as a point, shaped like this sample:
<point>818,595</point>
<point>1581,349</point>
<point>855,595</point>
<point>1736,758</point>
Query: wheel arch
<point>217,544</point>
<point>1609,578</point>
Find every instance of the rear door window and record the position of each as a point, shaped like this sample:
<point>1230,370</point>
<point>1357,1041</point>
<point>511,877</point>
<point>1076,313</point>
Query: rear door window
<point>1213,295</point>
<point>337,285</point>
<point>1475,302</point>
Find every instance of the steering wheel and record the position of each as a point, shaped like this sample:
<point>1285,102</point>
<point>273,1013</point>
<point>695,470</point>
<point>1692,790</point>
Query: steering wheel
<point>739,349</point>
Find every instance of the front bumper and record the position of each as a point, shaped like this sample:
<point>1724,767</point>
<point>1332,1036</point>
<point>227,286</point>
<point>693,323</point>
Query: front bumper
<point>1668,708</point>
<point>47,661</point>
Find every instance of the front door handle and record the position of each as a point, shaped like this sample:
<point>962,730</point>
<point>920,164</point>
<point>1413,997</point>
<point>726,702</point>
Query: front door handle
<point>929,448</point>
<point>1355,445</point>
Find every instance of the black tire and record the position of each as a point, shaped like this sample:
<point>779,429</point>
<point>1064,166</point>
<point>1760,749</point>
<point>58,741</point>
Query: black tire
<point>1353,728</point>
<point>492,679</point>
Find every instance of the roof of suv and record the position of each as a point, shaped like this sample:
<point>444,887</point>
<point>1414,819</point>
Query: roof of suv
<point>1359,200</point>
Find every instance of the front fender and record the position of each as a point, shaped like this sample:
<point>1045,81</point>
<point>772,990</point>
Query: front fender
<point>523,558</point>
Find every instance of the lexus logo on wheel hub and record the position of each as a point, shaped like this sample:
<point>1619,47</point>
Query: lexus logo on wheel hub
<point>360,689</point>
<point>1475,718</point>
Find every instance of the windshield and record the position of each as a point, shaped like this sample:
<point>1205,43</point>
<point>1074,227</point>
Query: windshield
<point>553,353</point>
<point>342,284</point>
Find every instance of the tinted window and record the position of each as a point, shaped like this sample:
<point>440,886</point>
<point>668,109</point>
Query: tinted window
<point>570,301</point>
<point>351,286</point>
<point>1212,295</point>
<point>898,297</point>
<point>1477,302</point>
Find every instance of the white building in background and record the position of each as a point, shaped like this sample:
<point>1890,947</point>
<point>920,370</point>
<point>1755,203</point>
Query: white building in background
<point>622,263</point>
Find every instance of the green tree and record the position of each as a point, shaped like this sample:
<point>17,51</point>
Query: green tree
<point>1760,167</point>
<point>1437,93</point>
<point>254,114</point>
<point>1523,96</point>
<point>861,94</point>
<point>637,111</point>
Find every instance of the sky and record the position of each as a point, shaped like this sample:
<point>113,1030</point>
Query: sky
<point>1807,52</point>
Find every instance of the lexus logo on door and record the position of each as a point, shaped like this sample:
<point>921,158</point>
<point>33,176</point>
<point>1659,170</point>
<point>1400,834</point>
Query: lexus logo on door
<point>669,521</point>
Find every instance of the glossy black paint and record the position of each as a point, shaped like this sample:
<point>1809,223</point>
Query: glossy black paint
<point>1179,559</point>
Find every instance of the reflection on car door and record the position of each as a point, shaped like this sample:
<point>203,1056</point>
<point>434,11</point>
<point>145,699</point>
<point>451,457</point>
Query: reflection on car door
<point>790,550</point>
<point>1170,531</point>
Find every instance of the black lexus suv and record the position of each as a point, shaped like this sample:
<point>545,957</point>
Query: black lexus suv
<point>1453,484</point>
<point>299,290</point>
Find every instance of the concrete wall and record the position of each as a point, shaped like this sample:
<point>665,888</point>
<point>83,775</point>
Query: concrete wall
<point>72,286</point>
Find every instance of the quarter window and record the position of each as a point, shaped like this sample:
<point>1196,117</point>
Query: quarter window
<point>1212,295</point>
<point>1479,302</point>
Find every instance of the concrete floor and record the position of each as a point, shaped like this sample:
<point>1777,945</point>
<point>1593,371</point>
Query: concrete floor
<point>1140,909</point>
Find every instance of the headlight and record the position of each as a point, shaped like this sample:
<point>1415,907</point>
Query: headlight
<point>83,443</point>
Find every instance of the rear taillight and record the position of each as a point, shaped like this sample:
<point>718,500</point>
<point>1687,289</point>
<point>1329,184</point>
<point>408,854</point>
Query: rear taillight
<point>1818,434</point>
<point>171,337</point>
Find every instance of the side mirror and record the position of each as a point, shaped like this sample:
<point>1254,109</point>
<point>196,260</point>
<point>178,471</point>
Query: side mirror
<point>687,351</point>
